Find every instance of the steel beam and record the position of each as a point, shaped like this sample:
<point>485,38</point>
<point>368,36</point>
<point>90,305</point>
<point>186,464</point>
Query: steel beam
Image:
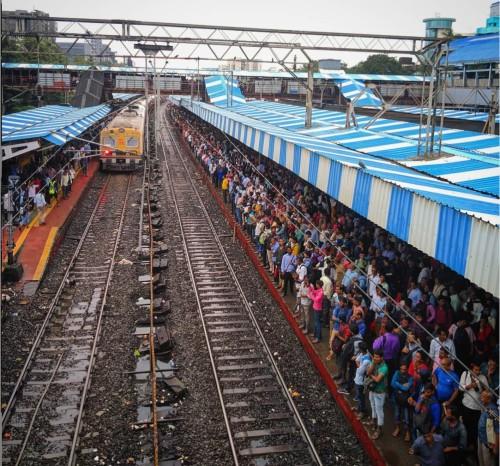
<point>228,36</point>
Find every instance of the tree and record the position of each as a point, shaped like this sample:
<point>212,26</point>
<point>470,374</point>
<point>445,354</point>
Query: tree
<point>36,50</point>
<point>379,64</point>
<point>31,50</point>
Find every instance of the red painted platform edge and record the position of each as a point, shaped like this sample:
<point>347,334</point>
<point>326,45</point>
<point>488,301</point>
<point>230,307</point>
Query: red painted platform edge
<point>62,229</point>
<point>370,448</point>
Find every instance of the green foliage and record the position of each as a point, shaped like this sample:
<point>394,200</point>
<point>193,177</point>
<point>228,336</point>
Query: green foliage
<point>34,50</point>
<point>31,50</point>
<point>378,64</point>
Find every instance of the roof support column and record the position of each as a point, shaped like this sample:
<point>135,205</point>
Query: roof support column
<point>309,94</point>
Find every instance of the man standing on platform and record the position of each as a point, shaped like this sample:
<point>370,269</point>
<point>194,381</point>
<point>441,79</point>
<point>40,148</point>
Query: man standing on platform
<point>488,429</point>
<point>287,268</point>
<point>40,204</point>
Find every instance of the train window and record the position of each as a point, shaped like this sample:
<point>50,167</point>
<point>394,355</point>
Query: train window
<point>108,141</point>
<point>132,142</point>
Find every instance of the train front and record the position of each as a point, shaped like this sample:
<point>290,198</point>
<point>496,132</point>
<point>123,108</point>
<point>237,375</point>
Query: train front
<point>122,141</point>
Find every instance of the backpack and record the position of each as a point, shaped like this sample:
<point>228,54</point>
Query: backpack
<point>348,351</point>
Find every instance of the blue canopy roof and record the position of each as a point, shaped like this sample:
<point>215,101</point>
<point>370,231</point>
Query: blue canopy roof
<point>482,48</point>
<point>124,96</point>
<point>358,93</point>
<point>55,123</point>
<point>393,140</point>
<point>220,93</point>
<point>448,113</point>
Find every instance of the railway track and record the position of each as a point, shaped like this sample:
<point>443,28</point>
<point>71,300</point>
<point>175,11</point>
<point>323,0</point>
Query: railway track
<point>261,419</point>
<point>42,419</point>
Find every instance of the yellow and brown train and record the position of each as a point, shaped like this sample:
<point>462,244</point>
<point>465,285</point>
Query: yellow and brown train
<point>122,140</point>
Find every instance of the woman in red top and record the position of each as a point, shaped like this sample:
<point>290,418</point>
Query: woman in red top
<point>483,333</point>
<point>418,369</point>
<point>316,295</point>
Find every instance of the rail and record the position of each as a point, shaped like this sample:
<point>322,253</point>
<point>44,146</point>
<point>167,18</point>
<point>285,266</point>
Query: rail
<point>103,274</point>
<point>188,231</point>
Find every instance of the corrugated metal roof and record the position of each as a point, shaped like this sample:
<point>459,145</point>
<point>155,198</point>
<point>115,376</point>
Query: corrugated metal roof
<point>448,113</point>
<point>431,202</point>
<point>55,123</point>
<point>482,48</point>
<point>220,93</point>
<point>358,93</point>
<point>390,139</point>
<point>124,96</point>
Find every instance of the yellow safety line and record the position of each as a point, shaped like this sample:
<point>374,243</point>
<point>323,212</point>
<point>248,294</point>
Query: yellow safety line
<point>22,237</point>
<point>42,263</point>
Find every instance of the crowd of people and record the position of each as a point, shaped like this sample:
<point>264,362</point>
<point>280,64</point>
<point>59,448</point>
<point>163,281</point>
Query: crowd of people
<point>41,181</point>
<point>407,334</point>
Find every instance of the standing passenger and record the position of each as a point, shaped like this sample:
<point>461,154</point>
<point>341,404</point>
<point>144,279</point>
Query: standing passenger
<point>316,295</point>
<point>378,373</point>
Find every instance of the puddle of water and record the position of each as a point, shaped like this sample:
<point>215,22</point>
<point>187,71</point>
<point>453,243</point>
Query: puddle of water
<point>163,369</point>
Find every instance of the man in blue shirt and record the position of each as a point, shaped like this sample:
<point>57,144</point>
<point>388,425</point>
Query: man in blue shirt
<point>487,433</point>
<point>446,381</point>
<point>287,268</point>
<point>349,276</point>
<point>414,294</point>
<point>427,414</point>
<point>429,449</point>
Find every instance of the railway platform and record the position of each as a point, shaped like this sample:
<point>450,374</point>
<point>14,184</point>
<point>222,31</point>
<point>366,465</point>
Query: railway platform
<point>35,243</point>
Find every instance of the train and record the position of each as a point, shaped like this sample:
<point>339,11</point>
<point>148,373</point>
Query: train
<point>122,140</point>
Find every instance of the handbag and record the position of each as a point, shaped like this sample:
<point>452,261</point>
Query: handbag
<point>369,383</point>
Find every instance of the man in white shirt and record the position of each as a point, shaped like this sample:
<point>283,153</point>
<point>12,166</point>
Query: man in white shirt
<point>327,283</point>
<point>441,340</point>
<point>378,303</point>
<point>373,281</point>
<point>40,204</point>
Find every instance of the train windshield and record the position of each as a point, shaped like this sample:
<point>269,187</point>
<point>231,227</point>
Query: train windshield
<point>132,141</point>
<point>108,141</point>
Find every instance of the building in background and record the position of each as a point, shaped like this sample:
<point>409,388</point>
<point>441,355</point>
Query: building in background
<point>89,48</point>
<point>240,64</point>
<point>408,64</point>
<point>493,22</point>
<point>27,24</point>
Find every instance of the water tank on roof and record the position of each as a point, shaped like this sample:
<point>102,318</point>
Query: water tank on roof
<point>437,28</point>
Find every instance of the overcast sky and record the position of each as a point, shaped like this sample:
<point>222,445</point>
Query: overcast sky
<point>382,16</point>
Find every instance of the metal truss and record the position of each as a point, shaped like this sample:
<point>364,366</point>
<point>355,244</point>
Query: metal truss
<point>208,42</point>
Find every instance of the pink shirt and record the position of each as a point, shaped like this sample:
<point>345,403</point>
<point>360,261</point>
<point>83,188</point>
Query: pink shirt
<point>317,298</point>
